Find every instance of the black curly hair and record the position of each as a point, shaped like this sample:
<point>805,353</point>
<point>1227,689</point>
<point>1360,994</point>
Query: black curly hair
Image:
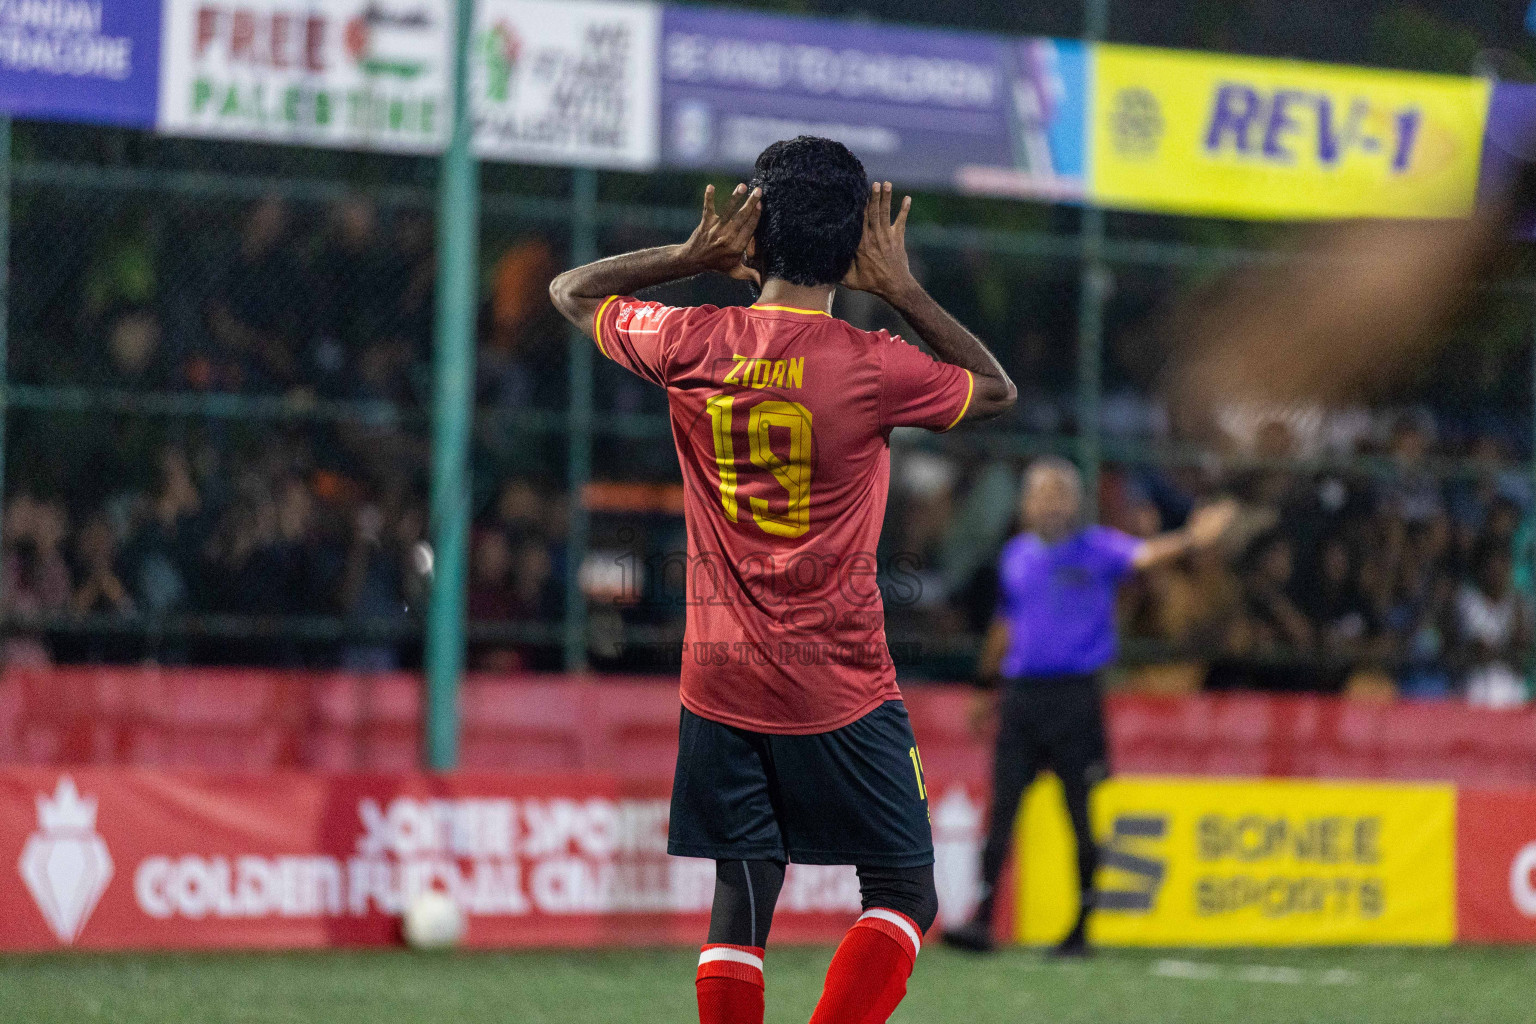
<point>814,194</point>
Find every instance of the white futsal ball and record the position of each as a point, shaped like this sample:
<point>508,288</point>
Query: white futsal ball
<point>433,921</point>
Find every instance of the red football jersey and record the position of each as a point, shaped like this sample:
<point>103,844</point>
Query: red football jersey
<point>782,419</point>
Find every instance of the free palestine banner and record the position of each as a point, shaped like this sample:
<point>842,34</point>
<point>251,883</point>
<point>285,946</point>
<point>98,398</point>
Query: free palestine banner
<point>565,83</point>
<point>359,74</point>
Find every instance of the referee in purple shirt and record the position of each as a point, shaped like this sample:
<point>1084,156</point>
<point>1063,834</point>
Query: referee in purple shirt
<point>1053,633</point>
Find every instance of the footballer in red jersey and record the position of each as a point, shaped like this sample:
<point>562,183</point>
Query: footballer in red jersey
<point>794,742</point>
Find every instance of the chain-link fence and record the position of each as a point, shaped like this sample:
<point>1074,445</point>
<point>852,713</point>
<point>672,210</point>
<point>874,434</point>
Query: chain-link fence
<point>216,443</point>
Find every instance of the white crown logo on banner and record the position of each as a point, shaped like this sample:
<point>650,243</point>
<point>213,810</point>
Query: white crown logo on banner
<point>65,864</point>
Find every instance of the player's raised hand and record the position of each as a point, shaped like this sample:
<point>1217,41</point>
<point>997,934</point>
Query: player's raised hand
<point>719,243</point>
<point>1207,524</point>
<point>880,265</point>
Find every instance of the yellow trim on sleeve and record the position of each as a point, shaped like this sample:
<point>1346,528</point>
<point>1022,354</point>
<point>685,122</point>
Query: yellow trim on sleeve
<point>792,309</point>
<point>970,389</point>
<point>597,326</point>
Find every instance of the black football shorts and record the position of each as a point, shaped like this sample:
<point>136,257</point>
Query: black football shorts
<point>855,795</point>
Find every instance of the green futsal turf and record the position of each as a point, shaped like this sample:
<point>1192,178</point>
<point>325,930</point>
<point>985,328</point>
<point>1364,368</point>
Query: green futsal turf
<point>1390,986</point>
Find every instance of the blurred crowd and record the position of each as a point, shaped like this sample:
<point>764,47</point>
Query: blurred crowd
<point>332,302</point>
<point>121,529</point>
<point>1403,574</point>
<point>1406,569</point>
<point>248,542</point>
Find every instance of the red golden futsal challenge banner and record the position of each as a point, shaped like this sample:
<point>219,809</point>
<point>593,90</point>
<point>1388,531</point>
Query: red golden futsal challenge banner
<point>142,859</point>
<point>129,859</point>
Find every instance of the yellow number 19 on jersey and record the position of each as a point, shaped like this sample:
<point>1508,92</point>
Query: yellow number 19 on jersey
<point>794,475</point>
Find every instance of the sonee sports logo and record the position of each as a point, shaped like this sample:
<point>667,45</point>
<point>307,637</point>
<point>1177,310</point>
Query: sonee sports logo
<point>1128,853</point>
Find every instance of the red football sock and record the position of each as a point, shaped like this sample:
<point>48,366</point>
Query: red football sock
<point>869,971</point>
<point>730,984</point>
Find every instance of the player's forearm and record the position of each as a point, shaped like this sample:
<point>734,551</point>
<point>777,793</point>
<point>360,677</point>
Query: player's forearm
<point>1206,526</point>
<point>1163,548</point>
<point>579,292</point>
<point>952,343</point>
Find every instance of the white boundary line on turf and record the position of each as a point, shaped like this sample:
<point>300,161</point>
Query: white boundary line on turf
<point>1255,974</point>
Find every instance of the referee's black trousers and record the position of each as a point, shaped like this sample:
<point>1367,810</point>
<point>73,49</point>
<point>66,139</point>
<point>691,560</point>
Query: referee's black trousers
<point>1056,723</point>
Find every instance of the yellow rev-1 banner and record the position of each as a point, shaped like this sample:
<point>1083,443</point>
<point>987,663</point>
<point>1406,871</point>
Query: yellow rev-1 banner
<point>1199,133</point>
<point>1250,863</point>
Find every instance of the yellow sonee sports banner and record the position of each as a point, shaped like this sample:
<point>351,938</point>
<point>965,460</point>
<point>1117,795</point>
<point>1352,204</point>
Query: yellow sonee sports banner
<point>1250,863</point>
<point>1198,133</point>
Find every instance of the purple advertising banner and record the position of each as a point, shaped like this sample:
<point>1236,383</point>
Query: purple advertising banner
<point>923,107</point>
<point>80,60</point>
